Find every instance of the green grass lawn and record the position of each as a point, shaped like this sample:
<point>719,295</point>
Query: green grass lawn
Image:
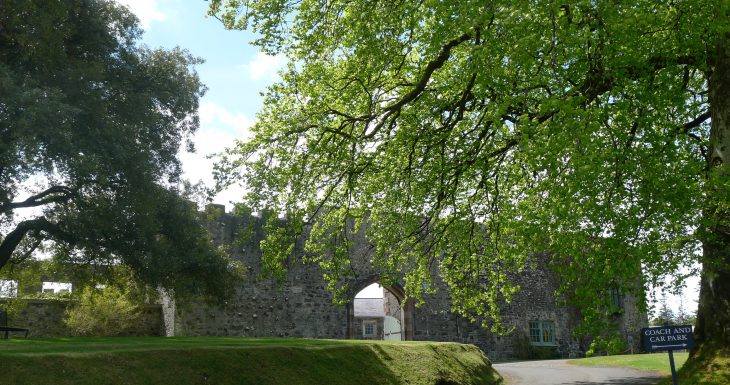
<point>711,366</point>
<point>231,360</point>
<point>658,362</point>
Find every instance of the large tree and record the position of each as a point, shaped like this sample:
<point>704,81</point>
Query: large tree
<point>475,135</point>
<point>90,126</point>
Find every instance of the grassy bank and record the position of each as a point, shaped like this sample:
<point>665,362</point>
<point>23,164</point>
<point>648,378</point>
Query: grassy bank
<point>228,360</point>
<point>710,367</point>
<point>658,362</point>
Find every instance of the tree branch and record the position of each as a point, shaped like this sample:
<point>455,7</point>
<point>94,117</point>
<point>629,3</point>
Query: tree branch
<point>13,238</point>
<point>695,122</point>
<point>27,254</point>
<point>432,66</point>
<point>50,195</point>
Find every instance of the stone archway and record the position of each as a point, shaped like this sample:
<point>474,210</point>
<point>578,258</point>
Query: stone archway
<point>406,313</point>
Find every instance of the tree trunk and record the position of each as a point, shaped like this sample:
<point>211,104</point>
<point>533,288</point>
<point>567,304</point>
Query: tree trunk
<point>713,314</point>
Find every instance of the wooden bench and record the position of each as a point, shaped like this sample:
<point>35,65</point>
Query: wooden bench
<point>7,330</point>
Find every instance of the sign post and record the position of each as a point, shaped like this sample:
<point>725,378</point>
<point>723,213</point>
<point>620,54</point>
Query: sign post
<point>671,365</point>
<point>668,338</point>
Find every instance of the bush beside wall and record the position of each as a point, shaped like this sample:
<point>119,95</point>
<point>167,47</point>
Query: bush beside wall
<point>45,318</point>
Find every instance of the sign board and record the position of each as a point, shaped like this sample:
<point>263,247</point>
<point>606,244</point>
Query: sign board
<point>676,337</point>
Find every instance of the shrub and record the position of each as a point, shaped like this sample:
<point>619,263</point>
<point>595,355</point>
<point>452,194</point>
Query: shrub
<point>611,345</point>
<point>525,350</point>
<point>103,312</point>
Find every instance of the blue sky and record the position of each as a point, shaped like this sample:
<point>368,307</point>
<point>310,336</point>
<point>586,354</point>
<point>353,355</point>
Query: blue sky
<point>234,71</point>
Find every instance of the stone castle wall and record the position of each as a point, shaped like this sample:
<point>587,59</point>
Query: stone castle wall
<point>302,307</point>
<point>391,306</point>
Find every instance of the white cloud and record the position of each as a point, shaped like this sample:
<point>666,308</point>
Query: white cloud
<point>215,117</point>
<point>146,11</point>
<point>219,129</point>
<point>264,67</point>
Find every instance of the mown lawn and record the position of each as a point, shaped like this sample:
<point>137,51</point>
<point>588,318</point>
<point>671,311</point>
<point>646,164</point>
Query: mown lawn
<point>710,367</point>
<point>230,360</point>
<point>658,362</point>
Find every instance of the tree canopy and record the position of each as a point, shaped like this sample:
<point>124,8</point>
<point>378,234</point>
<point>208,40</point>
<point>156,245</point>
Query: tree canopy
<point>475,135</point>
<point>91,123</point>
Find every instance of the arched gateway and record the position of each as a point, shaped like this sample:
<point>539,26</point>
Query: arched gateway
<point>403,316</point>
<point>301,305</point>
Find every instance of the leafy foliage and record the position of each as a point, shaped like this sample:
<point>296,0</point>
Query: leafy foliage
<point>106,312</point>
<point>122,281</point>
<point>90,126</point>
<point>475,136</point>
<point>523,349</point>
<point>610,345</point>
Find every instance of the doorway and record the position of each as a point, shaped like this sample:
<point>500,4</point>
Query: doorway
<point>376,312</point>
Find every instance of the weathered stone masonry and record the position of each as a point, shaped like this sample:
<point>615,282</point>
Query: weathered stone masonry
<point>302,306</point>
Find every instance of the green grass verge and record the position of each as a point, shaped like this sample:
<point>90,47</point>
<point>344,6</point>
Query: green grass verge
<point>710,366</point>
<point>658,362</point>
<point>229,360</point>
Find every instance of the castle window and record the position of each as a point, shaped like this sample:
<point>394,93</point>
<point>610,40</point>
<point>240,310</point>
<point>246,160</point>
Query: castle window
<point>542,333</point>
<point>615,299</point>
<point>56,287</point>
<point>369,328</point>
